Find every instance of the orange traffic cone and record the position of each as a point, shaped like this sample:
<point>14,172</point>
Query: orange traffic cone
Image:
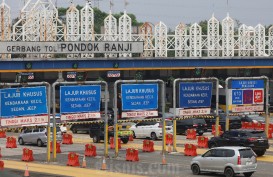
<point>26,172</point>
<point>103,165</point>
<point>169,148</point>
<point>83,162</point>
<point>163,159</point>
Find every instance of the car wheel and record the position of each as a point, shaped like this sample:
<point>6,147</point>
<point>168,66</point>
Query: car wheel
<point>260,153</point>
<point>248,174</point>
<point>229,172</point>
<point>153,136</point>
<point>21,141</point>
<point>125,140</point>
<point>96,139</point>
<point>200,134</point>
<point>39,143</point>
<point>134,135</point>
<point>195,169</point>
<point>212,145</point>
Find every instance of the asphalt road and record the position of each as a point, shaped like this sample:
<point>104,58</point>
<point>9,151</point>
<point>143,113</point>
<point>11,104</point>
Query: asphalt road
<point>148,165</point>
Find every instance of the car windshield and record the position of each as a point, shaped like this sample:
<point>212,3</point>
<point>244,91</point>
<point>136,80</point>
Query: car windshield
<point>199,121</point>
<point>246,153</point>
<point>258,118</point>
<point>168,123</point>
<point>57,129</point>
<point>258,134</point>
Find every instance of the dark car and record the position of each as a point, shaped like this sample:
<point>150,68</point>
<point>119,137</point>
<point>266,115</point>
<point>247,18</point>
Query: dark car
<point>253,118</point>
<point>235,121</point>
<point>96,131</point>
<point>256,139</point>
<point>192,123</point>
<point>80,126</point>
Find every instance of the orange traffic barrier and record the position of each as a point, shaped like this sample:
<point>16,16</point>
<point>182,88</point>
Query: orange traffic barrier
<point>190,150</point>
<point>169,148</point>
<point>112,145</point>
<point>148,146</point>
<point>27,155</point>
<point>244,125</point>
<point>202,142</point>
<point>83,162</point>
<point>191,134</point>
<point>169,139</point>
<point>1,165</point>
<point>259,126</point>
<point>58,147</point>
<point>2,133</point>
<point>270,131</point>
<point>73,159</point>
<point>213,131</point>
<point>132,155</point>
<point>163,159</point>
<point>250,125</point>
<point>11,142</point>
<point>67,138</point>
<point>103,165</point>
<point>90,150</point>
<point>131,138</point>
<point>26,174</point>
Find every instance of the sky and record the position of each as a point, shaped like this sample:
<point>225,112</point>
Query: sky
<point>173,12</point>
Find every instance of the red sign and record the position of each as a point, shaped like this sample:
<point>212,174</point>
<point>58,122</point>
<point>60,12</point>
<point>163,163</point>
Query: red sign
<point>247,96</point>
<point>258,96</point>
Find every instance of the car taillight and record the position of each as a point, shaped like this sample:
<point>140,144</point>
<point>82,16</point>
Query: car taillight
<point>252,139</point>
<point>195,125</point>
<point>160,126</point>
<point>239,160</point>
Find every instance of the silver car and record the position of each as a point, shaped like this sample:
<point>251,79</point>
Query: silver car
<point>37,136</point>
<point>227,160</point>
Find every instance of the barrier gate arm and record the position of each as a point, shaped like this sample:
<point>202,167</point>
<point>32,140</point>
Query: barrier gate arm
<point>216,80</point>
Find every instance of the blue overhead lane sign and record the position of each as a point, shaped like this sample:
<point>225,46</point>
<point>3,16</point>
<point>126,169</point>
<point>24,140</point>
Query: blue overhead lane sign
<point>195,94</point>
<point>84,98</point>
<point>139,96</point>
<point>23,101</point>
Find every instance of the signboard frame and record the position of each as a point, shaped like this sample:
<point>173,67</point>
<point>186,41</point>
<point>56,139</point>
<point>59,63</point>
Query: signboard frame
<point>162,98</point>
<point>261,81</point>
<point>202,110</point>
<point>104,85</point>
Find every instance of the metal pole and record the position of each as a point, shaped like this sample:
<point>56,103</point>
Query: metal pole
<point>106,121</point>
<point>54,121</point>
<point>163,116</point>
<point>174,115</point>
<point>227,105</point>
<point>115,117</point>
<point>267,119</point>
<point>217,107</point>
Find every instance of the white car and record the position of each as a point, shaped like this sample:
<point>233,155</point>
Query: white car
<point>150,129</point>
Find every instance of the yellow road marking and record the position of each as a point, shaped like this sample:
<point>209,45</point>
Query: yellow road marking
<point>61,170</point>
